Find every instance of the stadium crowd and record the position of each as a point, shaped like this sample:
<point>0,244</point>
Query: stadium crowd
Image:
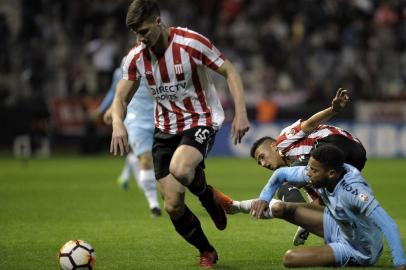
<point>289,52</point>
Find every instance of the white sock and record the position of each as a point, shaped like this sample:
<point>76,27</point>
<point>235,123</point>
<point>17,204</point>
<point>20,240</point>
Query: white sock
<point>243,206</point>
<point>147,183</point>
<point>246,205</point>
<point>125,173</point>
<point>268,214</point>
<point>134,164</point>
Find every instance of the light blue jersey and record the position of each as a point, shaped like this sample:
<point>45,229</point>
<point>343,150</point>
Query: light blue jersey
<point>357,219</point>
<point>351,204</point>
<point>140,110</point>
<point>139,121</point>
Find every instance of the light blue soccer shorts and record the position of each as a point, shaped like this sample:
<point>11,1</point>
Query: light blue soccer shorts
<point>140,140</point>
<point>345,254</point>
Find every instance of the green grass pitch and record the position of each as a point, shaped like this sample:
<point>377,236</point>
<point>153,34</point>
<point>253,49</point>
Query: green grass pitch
<point>45,203</point>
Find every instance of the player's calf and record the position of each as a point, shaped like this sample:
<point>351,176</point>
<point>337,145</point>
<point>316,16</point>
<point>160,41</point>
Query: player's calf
<point>214,208</point>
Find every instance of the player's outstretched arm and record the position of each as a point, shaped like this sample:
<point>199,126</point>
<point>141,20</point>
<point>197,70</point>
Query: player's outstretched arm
<point>337,104</point>
<point>124,92</point>
<point>391,232</point>
<point>293,175</point>
<point>240,124</point>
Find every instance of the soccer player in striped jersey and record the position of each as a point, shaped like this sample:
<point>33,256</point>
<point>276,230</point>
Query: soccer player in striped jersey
<point>187,110</point>
<point>352,222</point>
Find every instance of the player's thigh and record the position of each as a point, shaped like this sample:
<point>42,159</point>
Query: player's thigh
<point>163,149</point>
<point>305,216</point>
<point>194,141</point>
<point>186,157</point>
<point>309,256</point>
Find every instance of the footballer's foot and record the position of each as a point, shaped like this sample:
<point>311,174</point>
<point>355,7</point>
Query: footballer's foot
<point>300,237</point>
<point>208,259</point>
<point>122,182</point>
<point>214,208</point>
<point>225,201</point>
<point>156,212</point>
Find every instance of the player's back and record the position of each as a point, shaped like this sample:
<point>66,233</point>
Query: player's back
<point>294,143</point>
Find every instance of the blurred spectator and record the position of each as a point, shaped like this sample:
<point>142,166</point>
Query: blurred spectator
<point>104,51</point>
<point>307,49</point>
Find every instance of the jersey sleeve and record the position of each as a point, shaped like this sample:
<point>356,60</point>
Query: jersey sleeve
<point>207,54</point>
<point>129,67</point>
<point>358,196</point>
<point>292,175</point>
<point>392,235</point>
<point>289,135</point>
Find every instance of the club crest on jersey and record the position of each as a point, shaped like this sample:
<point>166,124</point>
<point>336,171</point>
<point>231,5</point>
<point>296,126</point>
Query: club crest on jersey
<point>178,69</point>
<point>290,133</point>
<point>363,197</point>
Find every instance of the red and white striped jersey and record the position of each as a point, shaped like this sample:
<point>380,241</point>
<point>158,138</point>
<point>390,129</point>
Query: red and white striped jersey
<point>185,96</point>
<point>293,142</point>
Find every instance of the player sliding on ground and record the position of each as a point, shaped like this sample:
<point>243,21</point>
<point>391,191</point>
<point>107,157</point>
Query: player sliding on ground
<point>351,223</point>
<point>292,148</point>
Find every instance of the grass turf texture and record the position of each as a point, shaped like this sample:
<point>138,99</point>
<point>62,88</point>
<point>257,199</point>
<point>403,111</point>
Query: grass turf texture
<point>45,203</point>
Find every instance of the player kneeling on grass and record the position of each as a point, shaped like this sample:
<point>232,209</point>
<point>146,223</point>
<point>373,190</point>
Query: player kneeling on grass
<point>351,223</point>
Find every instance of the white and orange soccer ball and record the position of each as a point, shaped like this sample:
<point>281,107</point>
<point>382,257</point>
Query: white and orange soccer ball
<point>77,254</point>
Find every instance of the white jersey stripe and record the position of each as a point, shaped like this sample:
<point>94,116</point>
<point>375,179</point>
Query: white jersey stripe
<point>293,142</point>
<point>179,82</point>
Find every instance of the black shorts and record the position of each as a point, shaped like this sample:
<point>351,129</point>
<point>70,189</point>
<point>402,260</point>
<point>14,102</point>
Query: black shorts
<point>201,138</point>
<point>354,153</point>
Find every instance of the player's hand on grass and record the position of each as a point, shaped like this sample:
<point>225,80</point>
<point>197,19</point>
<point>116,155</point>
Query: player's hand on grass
<point>340,100</point>
<point>258,207</point>
<point>239,127</point>
<point>119,139</point>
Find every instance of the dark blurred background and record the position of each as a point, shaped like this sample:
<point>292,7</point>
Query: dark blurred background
<point>57,59</point>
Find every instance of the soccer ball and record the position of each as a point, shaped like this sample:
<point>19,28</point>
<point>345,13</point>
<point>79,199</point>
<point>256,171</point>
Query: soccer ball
<point>77,255</point>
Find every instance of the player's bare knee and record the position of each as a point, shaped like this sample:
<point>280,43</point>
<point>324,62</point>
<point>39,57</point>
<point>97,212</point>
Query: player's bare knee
<point>181,173</point>
<point>290,259</point>
<point>173,209</point>
<point>278,209</point>
<point>146,162</point>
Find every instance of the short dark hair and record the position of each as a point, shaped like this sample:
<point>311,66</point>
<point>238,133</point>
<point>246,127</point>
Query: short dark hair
<point>141,10</point>
<point>258,142</point>
<point>329,155</point>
